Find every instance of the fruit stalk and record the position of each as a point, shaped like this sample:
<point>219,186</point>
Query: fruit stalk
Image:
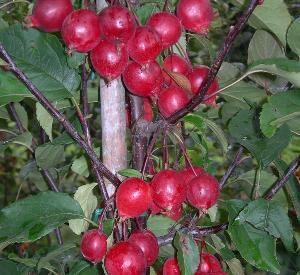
<point>55,113</point>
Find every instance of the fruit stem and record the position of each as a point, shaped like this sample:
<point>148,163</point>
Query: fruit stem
<point>165,149</point>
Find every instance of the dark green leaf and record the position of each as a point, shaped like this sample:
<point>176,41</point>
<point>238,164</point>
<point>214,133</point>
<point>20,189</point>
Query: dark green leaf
<point>12,90</point>
<point>195,120</point>
<point>80,166</point>
<point>244,127</point>
<point>83,268</point>
<point>44,262</point>
<point>76,59</point>
<point>9,268</point>
<point>256,246</point>
<point>108,226</point>
<point>146,11</point>
<point>31,218</point>
<point>24,139</point>
<point>270,217</point>
<point>281,108</point>
<point>42,57</point>
<point>187,253</point>
<point>49,155</point>
<point>30,262</point>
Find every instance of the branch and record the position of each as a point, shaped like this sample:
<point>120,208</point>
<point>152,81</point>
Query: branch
<point>284,179</point>
<point>233,33</point>
<point>59,116</point>
<point>232,167</point>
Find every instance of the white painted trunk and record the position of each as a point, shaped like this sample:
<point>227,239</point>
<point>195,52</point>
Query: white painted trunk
<point>113,123</point>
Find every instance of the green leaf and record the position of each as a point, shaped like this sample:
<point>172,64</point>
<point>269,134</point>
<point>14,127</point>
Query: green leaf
<point>80,166</point>
<point>288,69</point>
<point>44,262</point>
<point>228,256</point>
<point>76,59</point>
<point>293,36</point>
<point>88,202</point>
<point>273,16</point>
<point>145,11</point>
<point>244,128</point>
<point>195,120</point>
<point>22,114</point>
<point>159,225</point>
<point>220,135</point>
<point>43,58</point>
<point>45,119</point>
<point>30,262</point>
<point>31,218</point>
<point>83,268</point>
<point>9,268</point>
<point>24,139</point>
<point>292,186</point>
<point>281,108</point>
<point>256,246</point>
<point>49,155</point>
<point>12,90</point>
<point>187,253</point>
<point>130,173</point>
<point>263,46</point>
<point>270,217</point>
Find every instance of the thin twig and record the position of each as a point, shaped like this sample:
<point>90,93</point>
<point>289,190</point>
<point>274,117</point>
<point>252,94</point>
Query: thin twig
<point>54,112</point>
<point>232,167</point>
<point>284,179</point>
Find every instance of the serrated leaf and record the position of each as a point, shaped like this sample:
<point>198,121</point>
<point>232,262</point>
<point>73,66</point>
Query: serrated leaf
<point>31,218</point>
<point>280,109</point>
<point>88,202</point>
<point>42,57</point>
<point>159,225</point>
<point>80,166</point>
<point>244,128</point>
<point>145,11</point>
<point>219,133</point>
<point>24,139</point>
<point>256,246</point>
<point>49,155</point>
<point>293,36</point>
<point>270,217</point>
<point>130,173</point>
<point>12,90</point>
<point>187,253</point>
<point>45,119</point>
<point>288,69</point>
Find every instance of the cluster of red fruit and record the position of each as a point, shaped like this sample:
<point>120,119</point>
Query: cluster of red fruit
<point>167,192</point>
<point>140,251</point>
<point>119,46</point>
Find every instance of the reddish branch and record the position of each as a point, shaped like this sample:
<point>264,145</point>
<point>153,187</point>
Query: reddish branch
<point>59,116</point>
<point>232,167</point>
<point>233,33</point>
